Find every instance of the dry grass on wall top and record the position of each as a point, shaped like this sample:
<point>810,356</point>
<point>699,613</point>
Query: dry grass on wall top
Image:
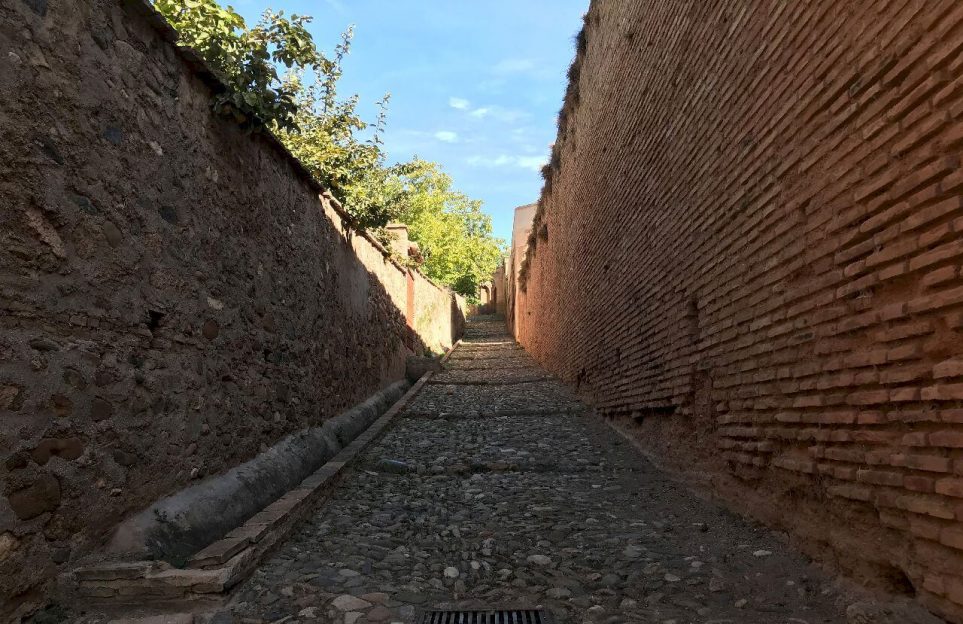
<point>553,168</point>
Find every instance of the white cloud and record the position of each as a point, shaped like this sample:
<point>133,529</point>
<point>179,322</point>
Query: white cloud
<point>459,103</point>
<point>506,115</point>
<point>533,163</point>
<point>489,161</point>
<point>491,86</point>
<point>514,66</point>
<point>337,5</point>
<point>446,136</point>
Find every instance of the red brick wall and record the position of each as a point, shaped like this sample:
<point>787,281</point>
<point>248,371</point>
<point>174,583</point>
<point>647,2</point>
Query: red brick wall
<point>748,251</point>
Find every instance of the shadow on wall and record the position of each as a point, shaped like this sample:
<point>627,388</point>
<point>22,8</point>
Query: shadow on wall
<point>457,318</point>
<point>173,296</point>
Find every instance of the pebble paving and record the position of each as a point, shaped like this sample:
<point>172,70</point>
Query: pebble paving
<point>496,488</point>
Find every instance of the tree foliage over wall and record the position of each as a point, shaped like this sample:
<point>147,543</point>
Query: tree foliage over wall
<point>325,132</point>
<point>454,235</point>
<point>247,59</point>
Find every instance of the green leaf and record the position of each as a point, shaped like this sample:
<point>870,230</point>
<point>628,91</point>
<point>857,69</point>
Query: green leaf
<point>342,150</point>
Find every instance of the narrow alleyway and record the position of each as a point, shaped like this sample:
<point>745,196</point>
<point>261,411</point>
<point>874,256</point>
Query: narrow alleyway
<point>495,488</point>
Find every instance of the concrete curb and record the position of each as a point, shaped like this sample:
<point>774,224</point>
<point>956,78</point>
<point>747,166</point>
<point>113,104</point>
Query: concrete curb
<point>229,560</point>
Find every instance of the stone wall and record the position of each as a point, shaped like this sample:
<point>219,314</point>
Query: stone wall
<point>748,253</point>
<point>432,307</point>
<point>173,295</point>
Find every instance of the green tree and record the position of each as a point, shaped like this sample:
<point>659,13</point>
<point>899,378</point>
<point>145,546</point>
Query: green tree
<point>326,133</point>
<point>326,138</point>
<point>247,59</point>
<point>454,235</point>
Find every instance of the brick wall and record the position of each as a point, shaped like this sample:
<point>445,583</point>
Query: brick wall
<point>174,297</point>
<point>748,253</point>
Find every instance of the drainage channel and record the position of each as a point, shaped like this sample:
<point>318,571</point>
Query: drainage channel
<point>514,616</point>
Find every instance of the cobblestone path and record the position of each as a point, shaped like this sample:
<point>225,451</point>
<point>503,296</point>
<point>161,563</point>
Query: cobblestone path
<point>496,488</point>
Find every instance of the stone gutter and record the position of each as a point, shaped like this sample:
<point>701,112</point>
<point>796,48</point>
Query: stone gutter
<point>226,562</point>
<point>175,527</point>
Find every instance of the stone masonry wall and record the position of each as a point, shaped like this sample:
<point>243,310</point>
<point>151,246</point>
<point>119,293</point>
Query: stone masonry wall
<point>748,253</point>
<point>173,295</point>
<point>432,304</point>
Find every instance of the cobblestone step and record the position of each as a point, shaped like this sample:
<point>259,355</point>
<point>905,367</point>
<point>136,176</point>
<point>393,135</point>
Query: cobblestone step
<point>512,495</point>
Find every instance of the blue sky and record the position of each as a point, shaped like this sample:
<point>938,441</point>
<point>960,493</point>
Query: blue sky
<point>475,86</point>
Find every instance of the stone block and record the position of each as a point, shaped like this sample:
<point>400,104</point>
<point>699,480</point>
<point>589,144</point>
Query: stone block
<point>219,552</point>
<point>116,571</point>
<point>252,532</point>
<point>174,618</point>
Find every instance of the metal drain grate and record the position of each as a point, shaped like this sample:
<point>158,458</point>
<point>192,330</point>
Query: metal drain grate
<point>489,616</point>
